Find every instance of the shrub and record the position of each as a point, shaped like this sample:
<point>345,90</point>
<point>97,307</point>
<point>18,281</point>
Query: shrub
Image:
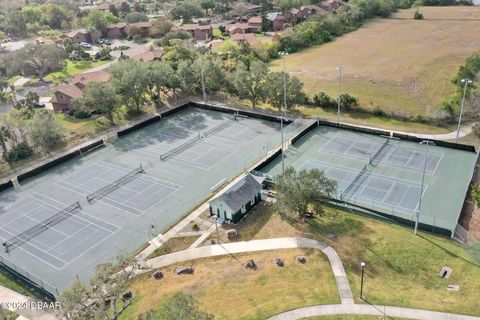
<point>81,114</point>
<point>418,15</point>
<point>348,102</point>
<point>323,100</point>
<point>137,38</point>
<point>378,112</point>
<point>475,193</point>
<point>18,152</point>
<point>194,226</point>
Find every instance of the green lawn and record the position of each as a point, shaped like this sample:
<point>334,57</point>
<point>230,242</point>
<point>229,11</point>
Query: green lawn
<point>218,34</point>
<point>10,314</point>
<point>401,270</point>
<point>74,68</point>
<point>13,79</point>
<point>7,281</point>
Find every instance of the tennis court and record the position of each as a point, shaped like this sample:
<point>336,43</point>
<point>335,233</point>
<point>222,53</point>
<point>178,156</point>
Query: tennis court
<point>385,174</point>
<point>62,223</point>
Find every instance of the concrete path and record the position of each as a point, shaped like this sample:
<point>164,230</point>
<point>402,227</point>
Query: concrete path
<point>9,297</point>
<point>366,309</point>
<point>260,245</point>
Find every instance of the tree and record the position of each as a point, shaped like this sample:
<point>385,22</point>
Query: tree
<point>56,16</point>
<point>99,299</point>
<point>100,97</point>
<point>130,79</point>
<point>160,27</point>
<point>42,58</point>
<point>186,11</point>
<point>4,135</point>
<point>124,8</point>
<point>189,76</point>
<point>275,90</point>
<point>207,5</point>
<point>99,20</point>
<point>44,131</point>
<point>134,17</point>
<point>302,193</point>
<point>15,24</point>
<point>250,83</point>
<point>213,74</point>
<point>177,307</point>
<point>162,79</point>
<point>52,35</point>
<point>30,101</point>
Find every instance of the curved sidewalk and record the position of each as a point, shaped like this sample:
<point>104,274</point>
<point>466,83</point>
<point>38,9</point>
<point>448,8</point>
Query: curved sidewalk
<point>261,245</point>
<point>365,309</point>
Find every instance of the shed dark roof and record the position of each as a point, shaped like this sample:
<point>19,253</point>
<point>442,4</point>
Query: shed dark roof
<point>240,193</point>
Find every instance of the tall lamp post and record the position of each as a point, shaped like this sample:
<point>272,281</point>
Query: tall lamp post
<point>340,72</point>
<point>417,215</point>
<point>466,82</point>
<point>284,54</point>
<point>362,265</point>
<point>201,48</point>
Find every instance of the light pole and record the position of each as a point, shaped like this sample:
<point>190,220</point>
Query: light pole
<point>284,55</point>
<point>466,82</point>
<point>340,71</point>
<point>417,216</point>
<point>203,80</point>
<point>362,265</point>
<point>283,156</point>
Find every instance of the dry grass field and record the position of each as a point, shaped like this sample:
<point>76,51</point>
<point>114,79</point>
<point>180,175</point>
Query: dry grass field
<point>400,64</point>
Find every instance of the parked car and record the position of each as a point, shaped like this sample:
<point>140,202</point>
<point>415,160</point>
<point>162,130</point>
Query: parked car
<point>100,41</point>
<point>107,42</point>
<point>129,38</point>
<point>85,45</point>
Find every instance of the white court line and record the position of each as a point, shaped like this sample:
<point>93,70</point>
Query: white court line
<point>68,237</point>
<point>86,214</point>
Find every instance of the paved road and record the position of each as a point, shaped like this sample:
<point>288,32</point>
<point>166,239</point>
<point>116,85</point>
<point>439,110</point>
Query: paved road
<point>365,309</point>
<point>260,245</point>
<point>9,296</point>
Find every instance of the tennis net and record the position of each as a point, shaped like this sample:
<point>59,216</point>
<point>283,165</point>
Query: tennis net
<point>376,156</point>
<point>34,231</point>
<point>99,194</point>
<point>354,182</point>
<point>218,128</point>
<point>177,150</point>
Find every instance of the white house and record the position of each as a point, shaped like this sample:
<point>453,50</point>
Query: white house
<point>237,200</point>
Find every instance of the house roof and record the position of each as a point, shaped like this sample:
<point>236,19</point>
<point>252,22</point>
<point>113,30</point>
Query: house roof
<point>248,37</point>
<point>318,9</point>
<point>274,15</point>
<point>215,44</point>
<point>143,24</point>
<point>255,19</point>
<point>119,25</point>
<point>240,193</point>
<point>241,26</point>
<point>87,77</point>
<point>251,6</point>
<point>70,90</point>
<point>148,55</point>
<point>195,26</point>
<point>74,33</point>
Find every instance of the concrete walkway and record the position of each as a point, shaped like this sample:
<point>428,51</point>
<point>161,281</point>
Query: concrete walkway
<point>8,297</point>
<point>366,309</point>
<point>260,245</point>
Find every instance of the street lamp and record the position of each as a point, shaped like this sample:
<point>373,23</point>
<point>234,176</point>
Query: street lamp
<point>284,55</point>
<point>201,48</point>
<point>340,70</point>
<point>466,82</point>
<point>417,216</point>
<point>362,265</point>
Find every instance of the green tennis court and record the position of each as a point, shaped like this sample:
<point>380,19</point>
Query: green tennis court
<point>384,174</point>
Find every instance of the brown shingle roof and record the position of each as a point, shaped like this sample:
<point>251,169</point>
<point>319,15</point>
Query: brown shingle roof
<point>248,37</point>
<point>70,90</point>
<point>242,26</point>
<point>148,55</point>
<point>195,26</point>
<point>95,76</point>
<point>255,19</point>
<point>117,25</point>
<point>144,24</point>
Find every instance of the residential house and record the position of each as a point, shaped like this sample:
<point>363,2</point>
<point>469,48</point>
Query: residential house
<point>332,5</point>
<point>276,20</point>
<point>65,93</point>
<point>237,28</point>
<point>255,24</point>
<point>243,37</point>
<point>305,12</point>
<point>252,8</point>
<point>83,35</point>
<point>215,44</point>
<point>149,55</point>
<point>233,204</point>
<point>117,30</point>
<point>199,32</point>
<point>143,27</point>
